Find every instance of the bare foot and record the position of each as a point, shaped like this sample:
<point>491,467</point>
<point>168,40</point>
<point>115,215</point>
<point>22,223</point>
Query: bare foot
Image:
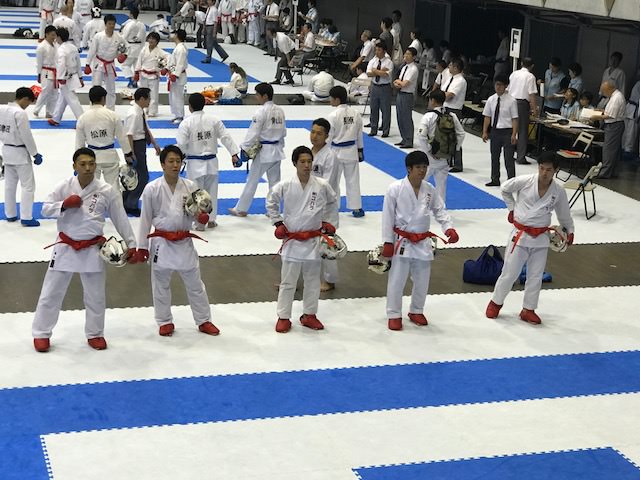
<point>236,213</point>
<point>326,286</point>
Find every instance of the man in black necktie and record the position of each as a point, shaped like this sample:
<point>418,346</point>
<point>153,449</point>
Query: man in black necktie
<point>380,69</point>
<point>406,84</point>
<point>500,127</point>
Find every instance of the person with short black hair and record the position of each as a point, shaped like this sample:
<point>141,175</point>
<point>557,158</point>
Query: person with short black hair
<point>575,72</point>
<point>81,205</point>
<point>134,33</point>
<point>530,200</point>
<point>500,128</point>
<point>553,78</point>
<point>312,16</point>
<point>69,78</point>
<point>522,87</point>
<point>47,73</point>
<point>269,129</point>
<point>198,136</point>
<point>455,91</point>
<point>211,33</point>
<point>151,61</point>
<point>406,83</point>
<point>160,26</point>
<point>271,18</point>
<point>286,48</point>
<point>309,204</point>
<point>408,206</point>
<point>345,137</point>
<point>18,146</point>
<point>93,26</point>
<point>178,64</point>
<point>170,245</point>
<point>380,70</point>
<point>614,73</point>
<point>386,36</point>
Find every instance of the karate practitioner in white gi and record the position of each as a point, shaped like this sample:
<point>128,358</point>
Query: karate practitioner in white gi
<point>408,207</point>
<point>253,22</point>
<point>171,246</point>
<point>105,47</point>
<point>95,25</point>
<point>98,128</point>
<point>438,167</point>
<point>178,64</point>
<point>227,11</point>
<point>46,7</point>
<point>310,205</point>
<point>267,127</point>
<point>346,140</point>
<point>134,33</point>
<point>18,146</point>
<point>70,20</point>
<point>69,76</point>
<point>319,88</point>
<point>530,200</point>
<point>325,166</point>
<point>198,137</point>
<point>83,8</point>
<point>81,205</point>
<point>151,61</point>
<point>47,74</point>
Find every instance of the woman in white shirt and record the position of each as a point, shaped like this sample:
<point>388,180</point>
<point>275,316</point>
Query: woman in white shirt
<point>238,83</point>
<point>416,41</point>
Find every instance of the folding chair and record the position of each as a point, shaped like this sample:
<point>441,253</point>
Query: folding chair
<point>578,153</point>
<point>580,188</point>
<point>296,67</point>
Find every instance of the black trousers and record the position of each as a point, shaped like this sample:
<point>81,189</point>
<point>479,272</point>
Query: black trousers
<point>131,198</point>
<point>499,141</point>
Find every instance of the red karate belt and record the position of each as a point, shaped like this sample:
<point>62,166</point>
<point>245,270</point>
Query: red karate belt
<point>223,16</point>
<point>78,244</point>
<point>55,75</point>
<point>150,72</point>
<point>413,237</point>
<point>106,64</point>
<point>47,14</point>
<point>306,235</point>
<point>533,231</point>
<point>175,236</point>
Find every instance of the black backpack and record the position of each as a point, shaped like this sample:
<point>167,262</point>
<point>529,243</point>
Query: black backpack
<point>24,33</point>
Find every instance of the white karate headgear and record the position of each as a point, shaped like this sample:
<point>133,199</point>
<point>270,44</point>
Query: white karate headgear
<point>96,12</point>
<point>198,201</point>
<point>332,247</point>
<point>377,263</point>
<point>114,252</point>
<point>127,178</point>
<point>557,239</point>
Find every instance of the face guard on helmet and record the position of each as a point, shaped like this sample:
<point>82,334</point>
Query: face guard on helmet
<point>377,263</point>
<point>557,239</point>
<point>127,178</point>
<point>114,252</point>
<point>199,201</point>
<point>332,247</point>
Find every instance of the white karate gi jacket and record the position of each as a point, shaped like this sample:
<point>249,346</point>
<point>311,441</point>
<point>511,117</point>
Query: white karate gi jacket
<point>68,65</point>
<point>98,126</point>
<point>346,126</point>
<point>89,31</point>
<point>103,51</point>
<point>267,124</point>
<point>15,130</point>
<point>46,57</point>
<point>148,63</point>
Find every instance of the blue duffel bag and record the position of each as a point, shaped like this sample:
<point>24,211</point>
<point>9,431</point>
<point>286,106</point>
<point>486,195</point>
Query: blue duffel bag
<point>486,269</point>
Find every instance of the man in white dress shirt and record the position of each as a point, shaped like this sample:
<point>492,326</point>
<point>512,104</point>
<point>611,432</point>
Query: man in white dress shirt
<point>170,245</point>
<point>268,127</point>
<point>81,205</point>
<point>319,87</point>
<point>522,87</point>
<point>211,33</point>
<point>380,70</point>
<point>613,117</point>
<point>272,20</point>
<point>408,206</point>
<point>198,136</point>
<point>530,200</point>
<point>500,128</point>
<point>47,73</point>
<point>406,84</point>
<point>614,73</point>
<point>455,91</point>
<point>285,49</point>
<point>366,52</point>
<point>18,147</point>
<point>309,207</point>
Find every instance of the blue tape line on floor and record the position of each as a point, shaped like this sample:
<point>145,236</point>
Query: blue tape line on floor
<point>182,401</point>
<point>595,464</point>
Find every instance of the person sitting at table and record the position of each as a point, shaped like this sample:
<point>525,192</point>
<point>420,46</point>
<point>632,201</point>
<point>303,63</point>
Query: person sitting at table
<point>286,22</point>
<point>307,42</point>
<point>585,101</point>
<point>333,35</point>
<point>570,108</point>
<point>324,27</point>
<point>575,75</point>
<point>358,88</point>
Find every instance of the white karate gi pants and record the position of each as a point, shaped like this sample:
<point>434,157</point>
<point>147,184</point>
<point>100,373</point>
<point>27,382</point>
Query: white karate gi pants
<point>66,97</point>
<point>257,169</point>
<point>44,23</point>
<point>152,84</point>
<point>227,29</point>
<point>439,169</point>
<point>52,294</point>
<point>330,271</point>
<point>108,81</point>
<point>209,183</point>
<point>196,293</point>
<point>312,97</point>
<point>48,98</point>
<point>351,170</point>
<point>253,33</point>
<point>289,279</point>
<point>110,172</point>
<point>401,268</point>
<point>536,259</point>
<point>176,96</point>
<point>12,175</point>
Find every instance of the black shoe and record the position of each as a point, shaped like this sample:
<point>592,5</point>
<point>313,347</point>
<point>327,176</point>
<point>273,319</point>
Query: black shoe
<point>368,125</point>
<point>224,59</point>
<point>407,145</point>
<point>523,162</point>
<point>288,82</point>
<point>372,133</point>
<point>398,144</point>
<point>385,135</point>
<point>492,184</point>
<point>455,170</point>
<point>275,82</point>
<point>199,46</point>
<point>205,61</point>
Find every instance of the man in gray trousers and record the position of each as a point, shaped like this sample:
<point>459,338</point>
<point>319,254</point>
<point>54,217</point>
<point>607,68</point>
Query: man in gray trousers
<point>380,69</point>
<point>406,84</point>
